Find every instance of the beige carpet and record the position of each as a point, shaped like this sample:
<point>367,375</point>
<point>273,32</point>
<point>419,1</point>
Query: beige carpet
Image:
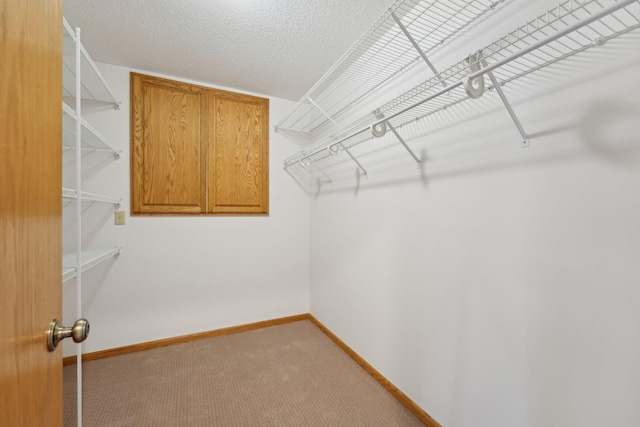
<point>287,375</point>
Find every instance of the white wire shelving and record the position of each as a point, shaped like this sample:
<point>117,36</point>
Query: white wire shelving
<point>90,258</point>
<point>93,84</point>
<point>70,194</point>
<point>82,81</point>
<point>570,28</point>
<point>407,32</point>
<point>90,138</point>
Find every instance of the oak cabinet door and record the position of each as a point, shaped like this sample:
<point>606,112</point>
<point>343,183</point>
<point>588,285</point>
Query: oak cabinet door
<point>237,154</point>
<point>168,135</point>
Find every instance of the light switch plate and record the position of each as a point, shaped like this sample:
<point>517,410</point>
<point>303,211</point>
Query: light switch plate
<point>119,217</point>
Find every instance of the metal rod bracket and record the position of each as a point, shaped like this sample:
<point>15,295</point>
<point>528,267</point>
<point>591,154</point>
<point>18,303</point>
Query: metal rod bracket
<point>346,150</point>
<point>417,47</point>
<point>324,113</point>
<point>507,105</point>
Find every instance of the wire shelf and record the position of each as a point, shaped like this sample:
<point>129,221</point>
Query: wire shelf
<point>94,85</point>
<point>85,196</point>
<point>571,27</point>
<point>381,54</point>
<point>90,138</point>
<point>90,258</point>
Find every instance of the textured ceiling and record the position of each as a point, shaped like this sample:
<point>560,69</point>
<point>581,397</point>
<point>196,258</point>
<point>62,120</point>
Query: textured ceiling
<point>271,47</point>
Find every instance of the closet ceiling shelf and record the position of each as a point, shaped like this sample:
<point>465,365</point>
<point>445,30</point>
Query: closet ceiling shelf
<point>571,27</point>
<point>90,138</point>
<point>383,53</point>
<point>88,259</point>
<point>85,196</point>
<point>94,86</point>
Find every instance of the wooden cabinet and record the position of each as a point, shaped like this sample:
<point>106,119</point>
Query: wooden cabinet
<point>196,150</point>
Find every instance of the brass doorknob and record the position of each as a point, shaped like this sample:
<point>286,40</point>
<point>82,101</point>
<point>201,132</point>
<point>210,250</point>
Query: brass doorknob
<point>79,332</point>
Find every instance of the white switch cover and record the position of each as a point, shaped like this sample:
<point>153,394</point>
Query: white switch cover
<point>119,217</point>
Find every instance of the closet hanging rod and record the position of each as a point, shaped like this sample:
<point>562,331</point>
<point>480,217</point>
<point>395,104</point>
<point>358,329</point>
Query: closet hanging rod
<point>473,75</point>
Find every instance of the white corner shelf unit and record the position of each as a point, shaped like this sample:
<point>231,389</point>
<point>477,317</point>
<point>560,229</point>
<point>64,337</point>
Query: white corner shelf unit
<point>409,32</point>
<point>82,81</point>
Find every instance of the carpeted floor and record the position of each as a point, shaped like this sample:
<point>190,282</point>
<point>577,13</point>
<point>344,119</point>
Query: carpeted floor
<point>288,375</point>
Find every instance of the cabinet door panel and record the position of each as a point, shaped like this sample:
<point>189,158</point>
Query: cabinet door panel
<point>167,147</point>
<point>238,154</point>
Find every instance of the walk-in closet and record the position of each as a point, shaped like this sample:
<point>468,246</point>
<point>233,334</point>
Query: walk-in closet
<point>320,213</point>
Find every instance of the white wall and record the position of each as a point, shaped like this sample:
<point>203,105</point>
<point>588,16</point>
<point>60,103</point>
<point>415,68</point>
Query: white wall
<point>498,286</point>
<point>179,274</point>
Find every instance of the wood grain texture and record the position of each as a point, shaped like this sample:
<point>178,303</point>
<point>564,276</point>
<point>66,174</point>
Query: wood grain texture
<point>184,338</point>
<point>402,398</point>
<point>238,165</point>
<point>167,146</point>
<point>30,210</point>
<point>197,150</point>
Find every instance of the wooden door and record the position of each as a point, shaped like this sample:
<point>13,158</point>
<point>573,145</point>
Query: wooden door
<point>30,210</point>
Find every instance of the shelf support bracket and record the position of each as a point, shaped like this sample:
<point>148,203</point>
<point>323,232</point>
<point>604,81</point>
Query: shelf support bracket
<point>505,101</point>
<point>346,150</point>
<point>334,149</point>
<point>380,116</point>
<point>404,144</point>
<point>417,47</point>
<point>324,112</point>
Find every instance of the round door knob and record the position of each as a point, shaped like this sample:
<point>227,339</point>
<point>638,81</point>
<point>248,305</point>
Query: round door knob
<point>79,332</point>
